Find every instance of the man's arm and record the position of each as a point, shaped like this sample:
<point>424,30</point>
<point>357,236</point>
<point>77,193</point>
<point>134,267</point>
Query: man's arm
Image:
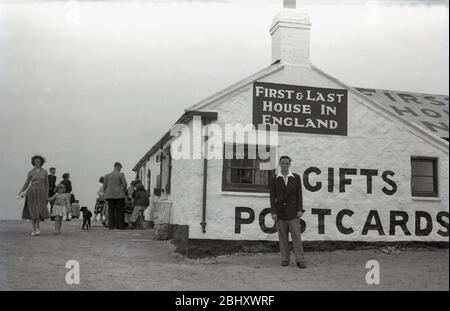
<point>105,183</point>
<point>47,187</point>
<point>124,183</point>
<point>299,195</point>
<point>273,195</point>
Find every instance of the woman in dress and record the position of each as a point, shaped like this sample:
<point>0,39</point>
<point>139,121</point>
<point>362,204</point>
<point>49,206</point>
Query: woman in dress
<point>35,191</point>
<point>68,185</point>
<point>100,202</point>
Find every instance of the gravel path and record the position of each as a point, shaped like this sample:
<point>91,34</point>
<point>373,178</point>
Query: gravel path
<point>132,260</point>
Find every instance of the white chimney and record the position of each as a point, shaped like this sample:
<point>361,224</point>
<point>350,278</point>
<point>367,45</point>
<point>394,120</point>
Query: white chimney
<point>290,37</point>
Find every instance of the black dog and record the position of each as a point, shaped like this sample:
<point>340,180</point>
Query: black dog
<point>87,215</point>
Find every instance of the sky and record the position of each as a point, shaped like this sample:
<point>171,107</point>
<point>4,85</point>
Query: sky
<point>88,83</point>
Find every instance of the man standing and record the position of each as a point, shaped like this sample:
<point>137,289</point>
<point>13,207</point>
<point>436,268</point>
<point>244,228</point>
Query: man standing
<point>114,189</point>
<point>286,204</point>
<point>51,188</point>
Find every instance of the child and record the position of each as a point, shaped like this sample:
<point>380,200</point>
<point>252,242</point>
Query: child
<point>141,202</point>
<point>61,202</point>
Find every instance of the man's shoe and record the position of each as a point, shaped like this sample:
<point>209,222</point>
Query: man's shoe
<point>301,265</point>
<point>285,263</point>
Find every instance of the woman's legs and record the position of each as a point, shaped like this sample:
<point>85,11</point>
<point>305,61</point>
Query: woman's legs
<point>59,223</point>
<point>33,226</point>
<point>56,223</point>
<point>38,229</point>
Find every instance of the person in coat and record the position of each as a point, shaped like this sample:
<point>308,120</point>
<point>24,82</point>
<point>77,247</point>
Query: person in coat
<point>286,204</point>
<point>115,189</point>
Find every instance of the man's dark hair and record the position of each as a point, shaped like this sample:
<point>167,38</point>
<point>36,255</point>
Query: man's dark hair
<point>285,157</point>
<point>102,179</point>
<point>65,175</point>
<point>52,168</point>
<point>117,164</point>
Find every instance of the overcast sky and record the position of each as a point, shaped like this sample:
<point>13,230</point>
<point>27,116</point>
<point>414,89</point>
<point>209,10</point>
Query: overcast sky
<point>90,83</point>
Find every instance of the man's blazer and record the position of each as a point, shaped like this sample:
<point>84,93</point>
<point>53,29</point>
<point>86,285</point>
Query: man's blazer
<point>286,201</point>
<point>114,186</point>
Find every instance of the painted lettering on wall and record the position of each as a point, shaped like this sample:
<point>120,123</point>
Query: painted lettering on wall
<point>345,179</point>
<point>400,223</point>
<point>301,109</point>
<point>428,111</point>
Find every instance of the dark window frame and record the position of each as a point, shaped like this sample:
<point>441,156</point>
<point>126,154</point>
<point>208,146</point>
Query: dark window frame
<point>234,187</point>
<point>149,180</point>
<point>435,176</point>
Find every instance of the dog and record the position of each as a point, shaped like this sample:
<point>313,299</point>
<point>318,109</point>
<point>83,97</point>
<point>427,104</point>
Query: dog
<point>87,215</point>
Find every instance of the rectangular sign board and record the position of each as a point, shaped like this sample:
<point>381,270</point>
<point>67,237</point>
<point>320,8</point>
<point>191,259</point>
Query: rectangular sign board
<point>302,109</point>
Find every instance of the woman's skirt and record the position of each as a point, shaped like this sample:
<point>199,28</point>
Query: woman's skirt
<point>99,206</point>
<point>35,206</point>
<point>59,210</point>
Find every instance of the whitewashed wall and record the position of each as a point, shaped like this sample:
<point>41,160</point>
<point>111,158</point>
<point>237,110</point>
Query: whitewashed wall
<point>373,142</point>
<point>155,170</point>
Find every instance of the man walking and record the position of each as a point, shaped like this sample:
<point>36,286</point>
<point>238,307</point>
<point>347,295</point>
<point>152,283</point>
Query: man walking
<point>51,188</point>
<point>286,204</point>
<point>114,189</point>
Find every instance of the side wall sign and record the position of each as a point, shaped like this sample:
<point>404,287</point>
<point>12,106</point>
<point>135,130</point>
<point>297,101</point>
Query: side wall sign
<point>301,109</point>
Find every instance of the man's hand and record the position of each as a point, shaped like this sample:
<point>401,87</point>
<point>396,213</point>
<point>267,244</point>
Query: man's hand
<point>274,217</point>
<point>299,214</point>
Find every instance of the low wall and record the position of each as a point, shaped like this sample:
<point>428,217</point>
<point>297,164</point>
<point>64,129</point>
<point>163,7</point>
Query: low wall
<point>201,248</point>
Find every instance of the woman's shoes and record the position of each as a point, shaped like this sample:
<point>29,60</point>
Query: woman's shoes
<point>33,233</point>
<point>38,232</point>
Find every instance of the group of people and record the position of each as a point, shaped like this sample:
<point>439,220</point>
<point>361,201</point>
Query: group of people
<point>119,207</point>
<point>114,199</point>
<point>39,189</point>
<point>72,209</point>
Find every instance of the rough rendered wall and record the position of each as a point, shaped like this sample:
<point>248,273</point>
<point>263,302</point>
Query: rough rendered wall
<point>373,142</point>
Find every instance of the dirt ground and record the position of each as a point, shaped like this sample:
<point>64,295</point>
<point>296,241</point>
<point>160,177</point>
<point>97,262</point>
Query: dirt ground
<point>132,260</point>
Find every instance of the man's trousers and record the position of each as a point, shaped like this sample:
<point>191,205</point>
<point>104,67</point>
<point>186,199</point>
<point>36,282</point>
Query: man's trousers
<point>116,214</point>
<point>283,228</point>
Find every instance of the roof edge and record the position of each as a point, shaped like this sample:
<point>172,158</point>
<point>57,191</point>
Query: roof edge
<point>429,137</point>
<point>235,86</point>
<point>184,119</point>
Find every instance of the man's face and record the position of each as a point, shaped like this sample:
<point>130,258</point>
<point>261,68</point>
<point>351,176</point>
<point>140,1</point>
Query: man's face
<point>285,164</point>
<point>53,172</point>
<point>118,168</point>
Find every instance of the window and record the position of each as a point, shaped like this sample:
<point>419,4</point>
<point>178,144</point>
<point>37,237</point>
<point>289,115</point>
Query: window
<point>149,180</point>
<point>244,174</point>
<point>166,171</point>
<point>424,180</point>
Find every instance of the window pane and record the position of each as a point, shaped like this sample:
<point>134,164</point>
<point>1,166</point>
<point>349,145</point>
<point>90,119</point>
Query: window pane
<point>246,176</point>
<point>241,176</point>
<point>422,184</point>
<point>242,163</point>
<point>422,167</point>
<point>233,176</point>
<point>248,163</point>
